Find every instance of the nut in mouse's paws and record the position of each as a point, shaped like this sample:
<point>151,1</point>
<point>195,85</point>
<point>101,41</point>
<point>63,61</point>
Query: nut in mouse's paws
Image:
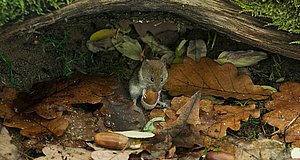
<point>150,97</point>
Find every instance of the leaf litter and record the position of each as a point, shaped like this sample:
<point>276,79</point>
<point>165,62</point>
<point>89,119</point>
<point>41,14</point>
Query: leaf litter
<point>72,125</point>
<point>284,113</point>
<point>189,121</point>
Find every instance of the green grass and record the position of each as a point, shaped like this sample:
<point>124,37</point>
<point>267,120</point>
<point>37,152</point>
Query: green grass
<point>212,37</point>
<point>105,63</point>
<point>8,65</point>
<point>58,46</point>
<point>277,71</point>
<point>13,10</point>
<point>242,103</point>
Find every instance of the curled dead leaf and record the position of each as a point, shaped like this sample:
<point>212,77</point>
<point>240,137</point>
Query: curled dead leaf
<point>85,90</point>
<point>284,115</point>
<point>202,117</point>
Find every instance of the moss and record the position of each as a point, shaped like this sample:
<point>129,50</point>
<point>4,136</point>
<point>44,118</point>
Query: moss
<point>283,14</point>
<point>12,10</point>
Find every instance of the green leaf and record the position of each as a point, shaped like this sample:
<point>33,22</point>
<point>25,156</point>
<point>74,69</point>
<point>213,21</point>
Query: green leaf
<point>149,127</point>
<point>102,34</point>
<point>179,51</point>
<point>295,42</point>
<point>129,47</point>
<point>241,58</point>
<point>155,46</point>
<point>196,49</point>
<point>100,45</point>
<point>136,134</point>
<point>270,88</point>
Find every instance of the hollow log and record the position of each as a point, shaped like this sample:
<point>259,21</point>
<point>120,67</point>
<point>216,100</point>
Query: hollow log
<point>220,15</point>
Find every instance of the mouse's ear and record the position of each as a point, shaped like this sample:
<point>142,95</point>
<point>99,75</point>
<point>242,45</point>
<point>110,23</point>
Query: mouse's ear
<point>143,55</point>
<point>145,62</point>
<point>167,58</point>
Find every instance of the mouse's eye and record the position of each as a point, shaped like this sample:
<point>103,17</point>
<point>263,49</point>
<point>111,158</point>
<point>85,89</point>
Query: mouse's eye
<point>152,79</point>
<point>161,79</point>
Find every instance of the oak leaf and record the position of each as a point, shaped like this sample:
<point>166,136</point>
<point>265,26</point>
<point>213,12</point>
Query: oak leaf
<point>202,117</point>
<point>180,128</point>
<point>213,79</point>
<point>34,126</point>
<point>8,149</point>
<point>56,152</point>
<point>221,117</point>
<point>285,112</point>
<point>61,96</point>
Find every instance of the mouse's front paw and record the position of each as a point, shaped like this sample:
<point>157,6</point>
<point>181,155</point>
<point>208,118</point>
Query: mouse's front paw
<point>163,104</point>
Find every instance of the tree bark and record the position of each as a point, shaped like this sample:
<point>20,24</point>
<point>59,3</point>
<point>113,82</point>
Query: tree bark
<point>220,15</point>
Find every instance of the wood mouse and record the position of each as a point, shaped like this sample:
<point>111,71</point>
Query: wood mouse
<point>152,74</point>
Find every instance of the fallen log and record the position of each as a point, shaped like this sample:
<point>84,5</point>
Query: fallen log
<point>220,15</point>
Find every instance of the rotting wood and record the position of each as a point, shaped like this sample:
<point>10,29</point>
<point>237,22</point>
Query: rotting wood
<point>220,15</point>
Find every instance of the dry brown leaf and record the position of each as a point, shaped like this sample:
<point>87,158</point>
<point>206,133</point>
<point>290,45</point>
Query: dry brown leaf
<point>85,91</point>
<point>156,113</point>
<point>221,117</point>
<point>289,94</point>
<point>34,132</point>
<point>8,150</point>
<point>201,117</point>
<point>7,95</point>
<point>248,150</point>
<point>58,111</point>
<point>213,120</point>
<point>106,154</point>
<point>34,126</point>
<point>71,130</point>
<point>62,95</point>
<point>159,150</point>
<point>57,152</point>
<point>6,111</point>
<point>213,79</point>
<point>261,149</point>
<point>285,112</point>
<point>228,144</point>
<point>83,126</point>
<point>179,128</point>
<point>120,114</point>
<point>21,122</point>
<point>25,101</point>
<point>57,126</point>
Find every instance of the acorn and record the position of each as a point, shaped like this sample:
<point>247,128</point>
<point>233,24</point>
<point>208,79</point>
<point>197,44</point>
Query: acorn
<point>149,99</point>
<point>112,140</point>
